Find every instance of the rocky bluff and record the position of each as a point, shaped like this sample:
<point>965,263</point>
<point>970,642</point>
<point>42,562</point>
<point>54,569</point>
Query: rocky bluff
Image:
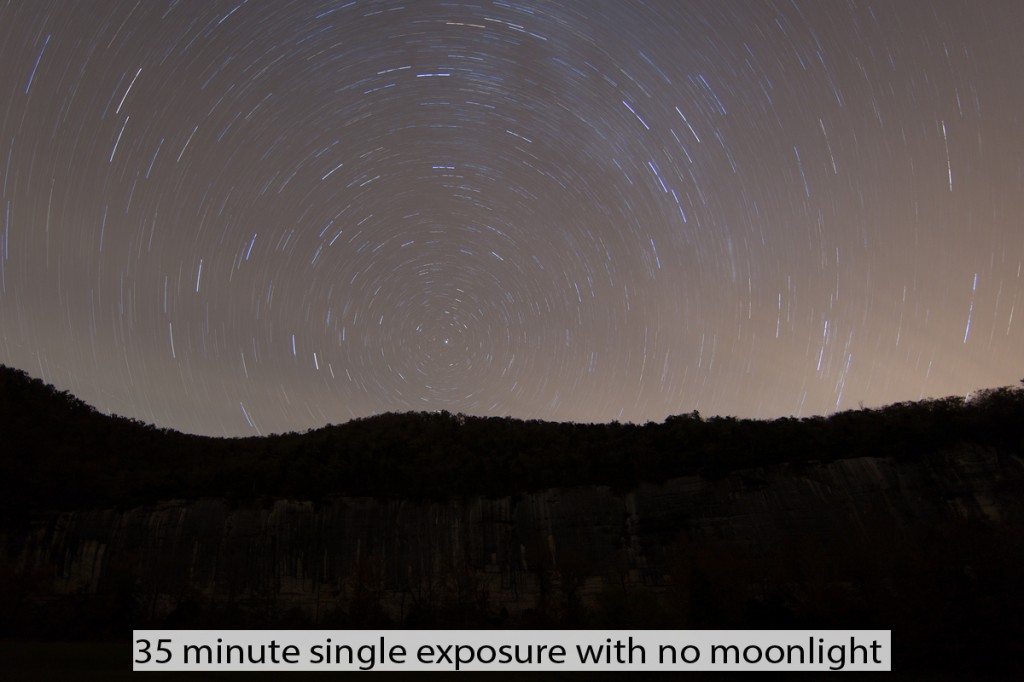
<point>761,536</point>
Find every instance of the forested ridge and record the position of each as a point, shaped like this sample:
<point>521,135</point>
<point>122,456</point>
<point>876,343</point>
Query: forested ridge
<point>58,452</point>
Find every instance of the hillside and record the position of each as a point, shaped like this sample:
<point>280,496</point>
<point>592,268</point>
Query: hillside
<point>59,453</point>
<point>909,518</point>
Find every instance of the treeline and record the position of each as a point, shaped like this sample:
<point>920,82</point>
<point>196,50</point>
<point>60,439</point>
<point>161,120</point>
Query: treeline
<point>57,452</point>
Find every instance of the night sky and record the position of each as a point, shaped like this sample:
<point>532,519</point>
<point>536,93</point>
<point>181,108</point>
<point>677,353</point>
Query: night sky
<point>234,219</point>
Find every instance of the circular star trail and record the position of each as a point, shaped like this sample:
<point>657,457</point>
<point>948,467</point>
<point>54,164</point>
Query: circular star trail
<point>238,218</point>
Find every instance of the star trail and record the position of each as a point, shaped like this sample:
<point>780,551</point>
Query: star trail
<point>240,218</point>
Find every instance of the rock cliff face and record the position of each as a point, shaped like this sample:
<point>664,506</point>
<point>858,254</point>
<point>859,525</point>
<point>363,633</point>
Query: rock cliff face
<point>391,561</point>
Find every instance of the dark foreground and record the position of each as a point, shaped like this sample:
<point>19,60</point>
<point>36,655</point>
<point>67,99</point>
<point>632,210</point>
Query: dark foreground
<point>909,518</point>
